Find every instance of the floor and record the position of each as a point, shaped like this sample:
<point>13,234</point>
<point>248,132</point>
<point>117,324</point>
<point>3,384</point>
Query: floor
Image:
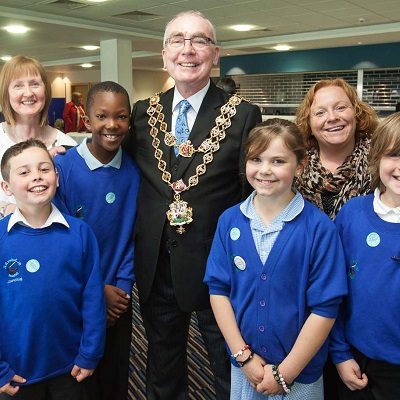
<point>200,377</point>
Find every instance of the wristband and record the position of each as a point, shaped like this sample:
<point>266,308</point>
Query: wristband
<point>244,362</point>
<point>241,351</point>
<point>280,379</point>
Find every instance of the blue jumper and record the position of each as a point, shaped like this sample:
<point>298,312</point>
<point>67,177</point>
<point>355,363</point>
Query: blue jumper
<point>106,199</point>
<point>51,300</point>
<point>369,320</point>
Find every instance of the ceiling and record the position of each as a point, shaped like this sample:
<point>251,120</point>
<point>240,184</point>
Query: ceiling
<point>59,27</point>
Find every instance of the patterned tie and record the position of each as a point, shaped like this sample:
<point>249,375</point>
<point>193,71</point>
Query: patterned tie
<point>181,127</point>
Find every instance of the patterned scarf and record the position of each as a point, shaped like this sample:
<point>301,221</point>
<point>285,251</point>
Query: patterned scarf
<point>349,180</point>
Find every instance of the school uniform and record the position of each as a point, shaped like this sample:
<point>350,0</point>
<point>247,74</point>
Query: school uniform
<point>274,286</point>
<point>368,329</point>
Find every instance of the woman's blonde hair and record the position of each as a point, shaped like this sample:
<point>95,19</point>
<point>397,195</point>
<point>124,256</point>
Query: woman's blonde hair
<point>385,142</point>
<point>15,68</point>
<point>261,136</point>
<point>365,115</point>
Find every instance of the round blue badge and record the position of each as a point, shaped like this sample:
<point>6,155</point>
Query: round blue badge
<point>235,233</point>
<point>373,239</point>
<point>110,197</point>
<point>32,265</point>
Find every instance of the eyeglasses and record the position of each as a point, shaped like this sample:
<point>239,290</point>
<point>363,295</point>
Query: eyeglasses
<point>198,42</point>
<point>322,113</point>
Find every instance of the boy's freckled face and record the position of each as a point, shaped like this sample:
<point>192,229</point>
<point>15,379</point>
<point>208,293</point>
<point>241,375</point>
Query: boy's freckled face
<point>33,179</point>
<point>109,122</point>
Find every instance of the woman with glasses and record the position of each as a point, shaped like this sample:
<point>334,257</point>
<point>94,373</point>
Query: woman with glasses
<point>337,126</point>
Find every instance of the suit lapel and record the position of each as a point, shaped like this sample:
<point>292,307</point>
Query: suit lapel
<point>205,121</point>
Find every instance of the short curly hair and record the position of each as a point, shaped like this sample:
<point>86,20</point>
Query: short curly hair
<point>366,117</point>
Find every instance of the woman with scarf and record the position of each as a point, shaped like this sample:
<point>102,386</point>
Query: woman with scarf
<point>337,126</point>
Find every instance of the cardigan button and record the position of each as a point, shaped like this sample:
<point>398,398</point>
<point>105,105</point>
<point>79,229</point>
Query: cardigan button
<point>262,303</point>
<point>263,277</point>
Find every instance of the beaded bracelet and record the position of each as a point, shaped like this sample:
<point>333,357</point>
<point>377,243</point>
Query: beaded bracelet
<point>242,363</point>
<point>280,380</point>
<point>241,351</point>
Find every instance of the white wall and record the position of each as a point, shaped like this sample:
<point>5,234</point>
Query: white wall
<point>146,83</point>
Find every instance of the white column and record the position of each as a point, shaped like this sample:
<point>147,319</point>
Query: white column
<point>360,83</point>
<point>116,62</point>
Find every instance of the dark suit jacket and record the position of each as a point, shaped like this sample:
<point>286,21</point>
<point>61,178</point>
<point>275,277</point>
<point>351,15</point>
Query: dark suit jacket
<point>219,188</point>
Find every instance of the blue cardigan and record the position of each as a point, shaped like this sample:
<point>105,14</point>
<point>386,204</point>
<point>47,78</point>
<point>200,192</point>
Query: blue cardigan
<point>304,274</point>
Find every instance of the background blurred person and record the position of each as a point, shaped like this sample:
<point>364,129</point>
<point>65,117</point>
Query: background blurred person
<point>228,85</point>
<point>73,114</point>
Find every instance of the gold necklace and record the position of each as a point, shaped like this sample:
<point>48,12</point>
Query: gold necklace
<point>179,212</point>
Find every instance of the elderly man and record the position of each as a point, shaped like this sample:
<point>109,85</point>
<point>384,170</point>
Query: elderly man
<point>188,144</point>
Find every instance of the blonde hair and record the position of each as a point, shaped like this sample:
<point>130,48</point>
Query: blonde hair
<point>261,136</point>
<point>385,142</point>
<point>15,68</point>
<point>365,115</point>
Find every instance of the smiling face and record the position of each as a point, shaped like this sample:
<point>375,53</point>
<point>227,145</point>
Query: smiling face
<point>32,179</point>
<point>271,173</point>
<point>389,173</point>
<point>27,95</point>
<point>109,123</point>
<point>190,67</point>
<point>332,119</point>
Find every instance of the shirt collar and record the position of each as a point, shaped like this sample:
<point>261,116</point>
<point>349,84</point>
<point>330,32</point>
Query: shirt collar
<point>194,100</point>
<point>381,208</point>
<point>291,211</point>
<point>55,217</point>
<point>92,162</point>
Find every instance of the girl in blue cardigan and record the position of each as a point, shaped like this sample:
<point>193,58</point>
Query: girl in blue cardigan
<point>276,275</point>
<point>366,338</point>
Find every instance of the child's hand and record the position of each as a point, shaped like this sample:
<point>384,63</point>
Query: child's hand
<point>269,386</point>
<point>351,376</point>
<point>254,370</point>
<point>117,302</point>
<point>81,373</point>
<point>11,390</point>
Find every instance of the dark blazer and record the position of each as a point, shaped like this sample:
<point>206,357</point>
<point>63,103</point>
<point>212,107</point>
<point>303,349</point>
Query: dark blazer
<point>219,188</point>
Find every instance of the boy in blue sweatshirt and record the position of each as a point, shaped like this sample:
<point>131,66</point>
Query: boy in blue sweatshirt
<point>51,299</point>
<point>99,183</point>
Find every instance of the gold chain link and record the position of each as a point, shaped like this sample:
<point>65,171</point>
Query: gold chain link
<point>208,146</point>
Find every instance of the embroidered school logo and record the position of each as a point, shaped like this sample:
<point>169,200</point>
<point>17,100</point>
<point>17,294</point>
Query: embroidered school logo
<point>12,266</point>
<point>353,269</point>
